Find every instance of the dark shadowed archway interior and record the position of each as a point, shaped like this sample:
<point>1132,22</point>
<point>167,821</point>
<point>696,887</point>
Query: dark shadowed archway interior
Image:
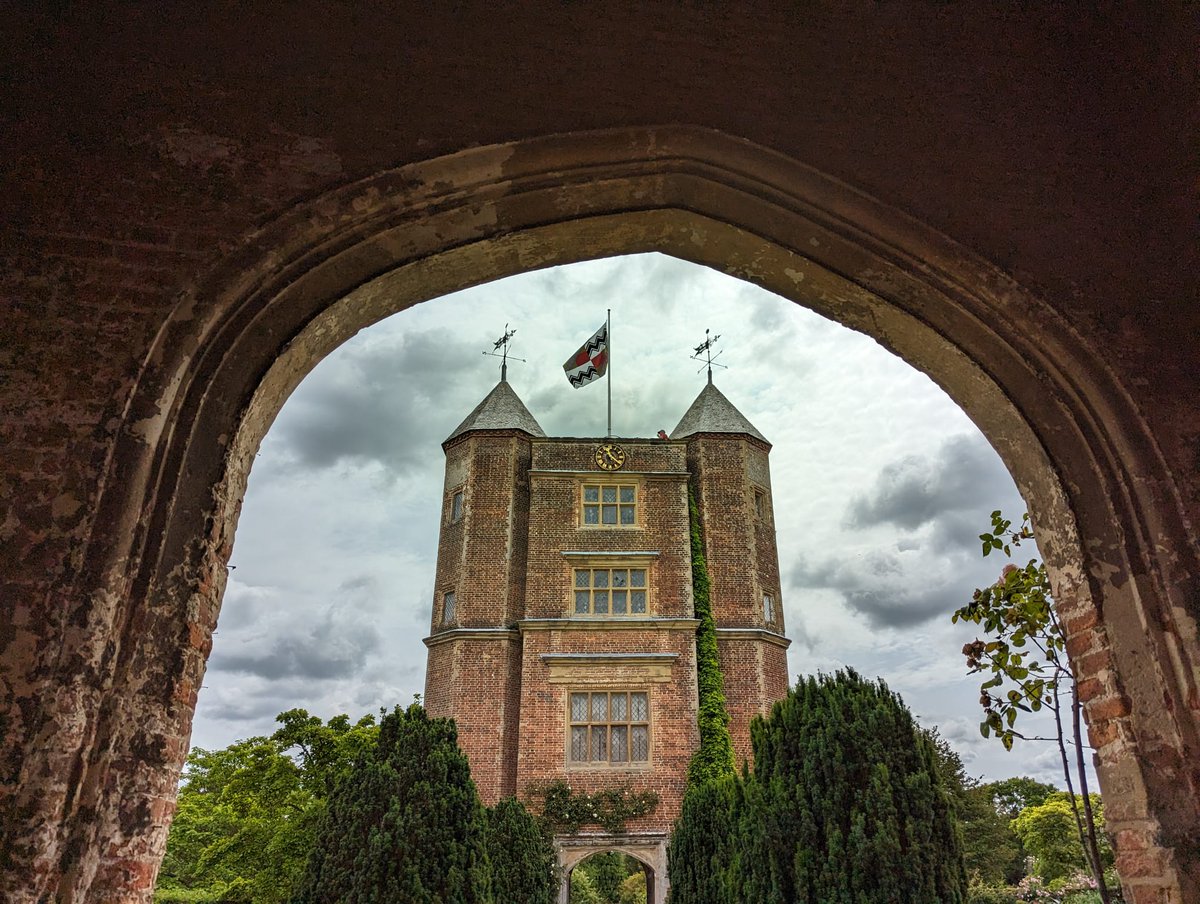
<point>1037,391</point>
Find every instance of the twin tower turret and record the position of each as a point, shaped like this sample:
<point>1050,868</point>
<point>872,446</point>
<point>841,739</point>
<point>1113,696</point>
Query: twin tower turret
<point>563,630</point>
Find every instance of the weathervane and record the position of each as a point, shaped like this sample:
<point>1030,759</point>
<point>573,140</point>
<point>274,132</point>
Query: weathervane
<point>502,345</point>
<point>709,358</point>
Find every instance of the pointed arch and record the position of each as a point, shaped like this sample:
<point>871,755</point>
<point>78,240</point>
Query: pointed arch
<point>1109,518</point>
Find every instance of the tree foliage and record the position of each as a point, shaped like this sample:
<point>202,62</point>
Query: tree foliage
<point>714,757</point>
<point>1047,831</point>
<point>1025,660</point>
<point>247,814</point>
<point>1012,795</point>
<point>405,824</point>
<point>702,847</point>
<point>991,852</point>
<point>845,804</point>
<point>609,877</point>
<point>521,854</point>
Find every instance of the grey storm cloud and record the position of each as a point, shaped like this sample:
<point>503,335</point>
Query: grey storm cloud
<point>962,477</point>
<point>388,402</point>
<point>882,587</point>
<point>936,505</point>
<point>327,649</point>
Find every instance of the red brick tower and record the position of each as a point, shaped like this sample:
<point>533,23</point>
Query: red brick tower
<point>563,634</point>
<point>731,477</point>
<point>474,669</point>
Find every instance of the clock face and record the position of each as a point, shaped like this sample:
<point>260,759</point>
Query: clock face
<point>610,457</point>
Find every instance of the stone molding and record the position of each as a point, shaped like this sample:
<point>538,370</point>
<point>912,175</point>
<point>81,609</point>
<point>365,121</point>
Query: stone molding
<point>471,634</point>
<point>593,668</point>
<point>753,634</point>
<point>617,623</point>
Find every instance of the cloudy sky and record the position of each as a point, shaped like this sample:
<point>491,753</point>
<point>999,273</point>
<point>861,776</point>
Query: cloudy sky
<point>881,487</point>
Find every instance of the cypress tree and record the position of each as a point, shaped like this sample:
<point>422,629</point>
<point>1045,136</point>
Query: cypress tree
<point>845,806</point>
<point>699,857</point>
<point>405,825</point>
<point>851,789</point>
<point>714,757</point>
<point>524,865</point>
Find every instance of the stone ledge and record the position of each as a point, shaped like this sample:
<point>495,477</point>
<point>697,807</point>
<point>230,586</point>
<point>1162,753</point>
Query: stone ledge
<point>616,623</point>
<point>590,668</point>
<point>754,634</point>
<point>471,634</point>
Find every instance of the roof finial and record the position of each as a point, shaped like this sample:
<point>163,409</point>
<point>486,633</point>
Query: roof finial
<point>502,344</point>
<point>709,358</point>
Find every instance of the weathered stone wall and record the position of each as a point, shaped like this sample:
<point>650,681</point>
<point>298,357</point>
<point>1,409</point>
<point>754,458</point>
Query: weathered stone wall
<point>168,177</point>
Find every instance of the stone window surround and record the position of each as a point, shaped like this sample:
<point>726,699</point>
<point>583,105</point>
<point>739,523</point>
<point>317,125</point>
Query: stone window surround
<point>578,560</point>
<point>457,504</point>
<point>602,481</point>
<point>608,765</point>
<point>449,606</point>
<point>762,503</point>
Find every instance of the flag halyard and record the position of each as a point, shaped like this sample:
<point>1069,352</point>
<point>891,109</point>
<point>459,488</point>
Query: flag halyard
<point>590,362</point>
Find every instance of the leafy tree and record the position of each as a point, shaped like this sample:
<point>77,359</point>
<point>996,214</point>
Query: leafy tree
<point>1012,795</point>
<point>1025,658</point>
<point>247,815</point>
<point>845,804</point>
<point>603,877</point>
<point>524,865</point>
<point>583,887</point>
<point>1047,830</point>
<point>633,889</point>
<point>714,757</point>
<point>405,825</point>
<point>991,851</point>
<point>325,751</point>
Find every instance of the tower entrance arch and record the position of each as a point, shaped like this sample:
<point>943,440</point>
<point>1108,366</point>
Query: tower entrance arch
<point>1105,506</point>
<point>648,850</point>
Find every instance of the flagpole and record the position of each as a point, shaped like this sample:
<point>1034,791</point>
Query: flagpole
<point>608,331</point>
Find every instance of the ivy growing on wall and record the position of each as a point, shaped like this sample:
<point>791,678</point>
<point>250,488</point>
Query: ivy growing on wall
<point>714,758</point>
<point>565,810</point>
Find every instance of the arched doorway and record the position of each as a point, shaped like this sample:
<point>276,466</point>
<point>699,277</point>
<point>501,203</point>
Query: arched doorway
<point>1105,507</point>
<point>643,858</point>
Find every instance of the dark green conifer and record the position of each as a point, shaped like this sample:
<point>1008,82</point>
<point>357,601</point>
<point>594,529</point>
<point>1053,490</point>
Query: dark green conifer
<point>699,857</point>
<point>405,825</point>
<point>845,804</point>
<point>852,786</point>
<point>524,866</point>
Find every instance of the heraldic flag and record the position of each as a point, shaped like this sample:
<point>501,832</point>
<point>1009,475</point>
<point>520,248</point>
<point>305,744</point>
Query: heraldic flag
<point>591,361</point>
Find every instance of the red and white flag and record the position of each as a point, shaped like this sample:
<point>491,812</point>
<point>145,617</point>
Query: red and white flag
<point>591,361</point>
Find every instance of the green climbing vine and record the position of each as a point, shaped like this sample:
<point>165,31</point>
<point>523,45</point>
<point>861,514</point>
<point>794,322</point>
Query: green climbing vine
<point>566,810</point>
<point>714,758</point>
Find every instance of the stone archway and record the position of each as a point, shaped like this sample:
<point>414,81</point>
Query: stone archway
<point>650,851</point>
<point>1105,506</point>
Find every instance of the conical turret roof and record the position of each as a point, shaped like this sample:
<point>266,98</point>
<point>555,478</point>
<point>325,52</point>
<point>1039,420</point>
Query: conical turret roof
<point>713,413</point>
<point>500,409</point>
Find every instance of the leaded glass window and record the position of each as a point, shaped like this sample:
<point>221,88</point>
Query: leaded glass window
<point>609,505</point>
<point>610,727</point>
<point>610,591</point>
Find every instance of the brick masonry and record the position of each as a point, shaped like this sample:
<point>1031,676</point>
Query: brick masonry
<point>510,560</point>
